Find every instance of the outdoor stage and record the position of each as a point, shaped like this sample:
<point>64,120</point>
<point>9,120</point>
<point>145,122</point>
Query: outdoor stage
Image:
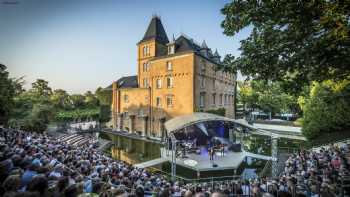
<point>201,162</point>
<point>203,131</point>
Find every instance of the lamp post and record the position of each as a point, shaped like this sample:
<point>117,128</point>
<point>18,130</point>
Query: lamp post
<point>274,154</point>
<point>173,156</point>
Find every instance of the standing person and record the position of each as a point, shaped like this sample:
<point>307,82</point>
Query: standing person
<point>209,153</point>
<point>212,153</point>
<point>211,150</point>
<point>222,148</point>
<point>246,188</point>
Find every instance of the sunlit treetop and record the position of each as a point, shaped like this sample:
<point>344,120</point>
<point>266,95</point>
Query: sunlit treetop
<point>292,41</point>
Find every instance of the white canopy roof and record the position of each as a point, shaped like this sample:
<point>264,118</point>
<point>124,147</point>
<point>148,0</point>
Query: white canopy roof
<point>180,122</point>
<point>183,121</point>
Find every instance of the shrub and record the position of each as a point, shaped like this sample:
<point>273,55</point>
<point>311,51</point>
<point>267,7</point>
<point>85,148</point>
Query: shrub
<point>220,111</point>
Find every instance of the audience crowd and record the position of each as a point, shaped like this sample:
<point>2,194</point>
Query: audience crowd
<point>37,165</point>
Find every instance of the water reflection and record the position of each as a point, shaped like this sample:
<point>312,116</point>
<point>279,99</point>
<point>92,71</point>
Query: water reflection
<point>258,144</point>
<point>132,150</point>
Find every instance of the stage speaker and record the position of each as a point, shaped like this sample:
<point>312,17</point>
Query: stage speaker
<point>215,165</point>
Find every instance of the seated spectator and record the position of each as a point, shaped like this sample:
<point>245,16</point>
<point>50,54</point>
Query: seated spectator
<point>38,184</point>
<point>28,175</point>
<point>11,185</point>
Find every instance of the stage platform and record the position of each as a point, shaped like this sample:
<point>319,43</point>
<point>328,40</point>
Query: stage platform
<point>201,162</point>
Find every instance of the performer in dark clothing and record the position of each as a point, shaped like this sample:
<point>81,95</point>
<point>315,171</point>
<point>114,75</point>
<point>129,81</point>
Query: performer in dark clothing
<point>222,148</point>
<point>211,153</point>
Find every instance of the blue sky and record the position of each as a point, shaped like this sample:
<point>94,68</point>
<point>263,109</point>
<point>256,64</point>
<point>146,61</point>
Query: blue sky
<point>81,45</point>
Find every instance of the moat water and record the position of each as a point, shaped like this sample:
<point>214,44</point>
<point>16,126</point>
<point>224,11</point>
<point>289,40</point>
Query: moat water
<point>133,151</point>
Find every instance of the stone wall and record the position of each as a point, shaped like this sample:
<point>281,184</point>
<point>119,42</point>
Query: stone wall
<point>216,82</point>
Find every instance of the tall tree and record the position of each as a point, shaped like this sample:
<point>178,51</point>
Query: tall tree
<point>104,96</point>
<point>32,109</point>
<point>60,99</point>
<point>266,96</point>
<point>41,89</point>
<point>39,118</point>
<point>77,100</point>
<point>326,108</point>
<point>7,92</point>
<point>90,99</point>
<point>105,100</point>
<point>247,96</point>
<point>292,40</point>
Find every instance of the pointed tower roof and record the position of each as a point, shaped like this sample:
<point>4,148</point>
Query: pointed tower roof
<point>156,31</point>
<point>216,54</point>
<point>204,45</point>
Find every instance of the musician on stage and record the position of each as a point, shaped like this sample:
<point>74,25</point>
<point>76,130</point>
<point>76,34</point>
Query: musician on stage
<point>222,149</point>
<point>211,153</point>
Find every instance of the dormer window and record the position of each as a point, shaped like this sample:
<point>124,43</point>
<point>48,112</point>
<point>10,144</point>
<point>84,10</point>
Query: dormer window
<point>171,49</point>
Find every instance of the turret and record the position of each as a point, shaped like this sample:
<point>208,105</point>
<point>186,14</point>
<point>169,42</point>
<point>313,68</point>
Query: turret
<point>216,57</point>
<point>204,49</point>
<point>153,44</point>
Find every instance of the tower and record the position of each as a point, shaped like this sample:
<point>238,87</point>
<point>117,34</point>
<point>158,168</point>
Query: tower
<point>153,44</point>
<point>204,49</point>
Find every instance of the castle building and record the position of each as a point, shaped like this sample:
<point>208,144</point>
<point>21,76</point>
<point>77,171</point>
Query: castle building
<point>175,77</point>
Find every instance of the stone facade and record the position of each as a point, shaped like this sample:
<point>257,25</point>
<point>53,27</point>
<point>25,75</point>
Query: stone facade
<point>174,78</point>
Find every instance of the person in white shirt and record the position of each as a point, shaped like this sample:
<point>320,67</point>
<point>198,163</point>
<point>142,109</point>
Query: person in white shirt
<point>246,188</point>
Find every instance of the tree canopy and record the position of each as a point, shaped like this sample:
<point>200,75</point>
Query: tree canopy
<point>291,41</point>
<point>326,108</point>
<point>104,96</point>
<point>7,92</point>
<point>34,109</point>
<point>60,99</point>
<point>268,97</point>
<point>41,88</point>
